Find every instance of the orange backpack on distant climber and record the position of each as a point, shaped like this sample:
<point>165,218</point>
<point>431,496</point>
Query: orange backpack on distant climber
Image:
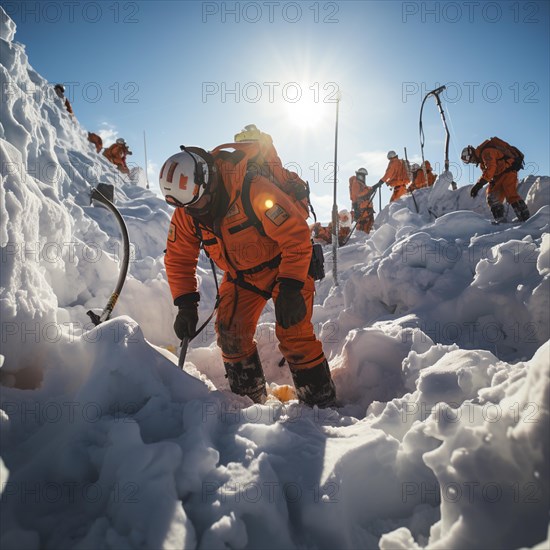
<point>509,151</point>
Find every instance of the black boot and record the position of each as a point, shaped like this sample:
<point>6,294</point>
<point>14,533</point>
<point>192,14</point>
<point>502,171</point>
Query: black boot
<point>314,386</point>
<point>521,210</point>
<point>498,212</point>
<point>246,377</point>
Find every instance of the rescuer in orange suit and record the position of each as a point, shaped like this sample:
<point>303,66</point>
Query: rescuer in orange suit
<point>395,176</point>
<point>116,153</point>
<point>419,180</point>
<point>268,257</point>
<point>360,194</point>
<point>321,233</point>
<point>496,163</point>
<point>60,91</point>
<point>96,140</point>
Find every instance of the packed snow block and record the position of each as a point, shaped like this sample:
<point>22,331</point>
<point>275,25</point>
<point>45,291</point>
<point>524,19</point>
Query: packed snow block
<point>440,193</point>
<point>454,378</point>
<point>370,367</point>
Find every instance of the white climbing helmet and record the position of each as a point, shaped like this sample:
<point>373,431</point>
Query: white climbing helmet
<point>184,178</point>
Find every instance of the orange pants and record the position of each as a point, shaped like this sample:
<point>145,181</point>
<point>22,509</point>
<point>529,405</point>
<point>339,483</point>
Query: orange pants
<point>238,315</point>
<point>503,186</point>
<point>398,192</point>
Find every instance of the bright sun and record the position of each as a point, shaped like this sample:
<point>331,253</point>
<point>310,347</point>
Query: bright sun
<point>308,111</point>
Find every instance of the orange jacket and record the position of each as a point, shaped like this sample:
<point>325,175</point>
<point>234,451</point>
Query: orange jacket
<point>492,161</point>
<point>238,246</point>
<point>418,178</point>
<point>116,153</point>
<point>358,191</point>
<point>396,173</point>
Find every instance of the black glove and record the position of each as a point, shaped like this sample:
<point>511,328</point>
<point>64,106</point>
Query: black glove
<point>477,187</point>
<point>290,307</point>
<point>186,321</point>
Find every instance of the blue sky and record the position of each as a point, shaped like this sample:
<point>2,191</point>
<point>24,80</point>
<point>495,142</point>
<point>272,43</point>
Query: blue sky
<point>197,72</point>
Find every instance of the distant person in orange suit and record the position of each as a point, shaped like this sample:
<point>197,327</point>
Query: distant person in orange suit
<point>96,140</point>
<point>419,179</point>
<point>396,176</point>
<point>116,154</point>
<point>60,91</point>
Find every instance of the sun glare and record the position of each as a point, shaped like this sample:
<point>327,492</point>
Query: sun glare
<point>308,111</point>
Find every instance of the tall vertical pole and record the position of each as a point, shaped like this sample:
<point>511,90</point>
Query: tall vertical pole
<point>410,176</point>
<point>146,166</point>
<point>335,203</point>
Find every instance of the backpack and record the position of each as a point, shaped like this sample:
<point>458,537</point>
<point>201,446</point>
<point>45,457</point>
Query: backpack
<point>262,160</point>
<point>509,151</point>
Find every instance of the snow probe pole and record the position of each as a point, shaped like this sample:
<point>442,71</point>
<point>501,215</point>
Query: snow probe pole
<point>335,204</point>
<point>410,179</point>
<point>106,313</point>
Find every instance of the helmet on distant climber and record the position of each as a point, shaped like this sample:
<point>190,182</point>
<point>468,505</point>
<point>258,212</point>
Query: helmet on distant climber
<point>183,178</point>
<point>121,141</point>
<point>415,167</point>
<point>361,174</point>
<point>60,88</point>
<point>391,154</point>
<point>468,154</point>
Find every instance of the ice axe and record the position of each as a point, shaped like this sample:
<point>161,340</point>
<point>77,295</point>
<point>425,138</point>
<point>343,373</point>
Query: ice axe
<point>96,319</point>
<point>185,341</point>
<point>435,93</point>
<point>183,352</point>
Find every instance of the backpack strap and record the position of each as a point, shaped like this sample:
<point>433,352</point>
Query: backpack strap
<point>252,218</point>
<point>200,236</point>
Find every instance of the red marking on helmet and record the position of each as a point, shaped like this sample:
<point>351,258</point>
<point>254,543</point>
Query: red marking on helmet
<point>183,181</point>
<point>171,170</point>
